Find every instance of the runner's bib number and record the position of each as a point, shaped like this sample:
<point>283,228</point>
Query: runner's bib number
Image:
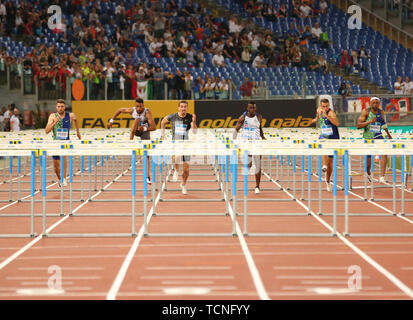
<point>327,131</point>
<point>375,127</point>
<point>249,133</point>
<point>62,134</point>
<point>180,129</point>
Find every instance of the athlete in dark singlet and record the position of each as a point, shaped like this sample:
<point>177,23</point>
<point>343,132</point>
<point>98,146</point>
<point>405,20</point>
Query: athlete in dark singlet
<point>372,122</point>
<point>182,122</point>
<point>60,123</point>
<point>328,123</point>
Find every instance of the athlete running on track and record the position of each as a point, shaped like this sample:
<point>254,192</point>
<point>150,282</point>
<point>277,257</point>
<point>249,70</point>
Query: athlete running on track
<point>60,123</point>
<point>250,122</point>
<point>328,122</point>
<point>182,122</point>
<point>372,122</point>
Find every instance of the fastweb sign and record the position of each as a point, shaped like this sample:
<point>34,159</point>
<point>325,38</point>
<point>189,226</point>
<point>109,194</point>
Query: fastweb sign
<point>96,114</point>
<point>275,113</point>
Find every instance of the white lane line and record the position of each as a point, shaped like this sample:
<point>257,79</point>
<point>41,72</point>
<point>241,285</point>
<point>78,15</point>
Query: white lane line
<point>41,283</point>
<point>114,289</point>
<point>198,277</point>
<point>396,281</point>
<point>63,268</point>
<point>39,237</point>
<point>307,268</point>
<point>188,268</point>
<point>187,282</point>
<point>47,277</point>
<point>153,288</point>
<point>258,283</point>
<point>301,277</point>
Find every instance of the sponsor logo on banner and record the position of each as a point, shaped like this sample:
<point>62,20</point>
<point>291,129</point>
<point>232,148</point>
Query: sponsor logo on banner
<point>401,105</point>
<point>96,114</point>
<point>275,113</point>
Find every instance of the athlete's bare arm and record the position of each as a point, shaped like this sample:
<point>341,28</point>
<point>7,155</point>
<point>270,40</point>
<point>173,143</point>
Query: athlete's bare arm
<point>261,131</point>
<point>74,119</point>
<point>361,122</point>
<point>238,126</point>
<point>134,128</point>
<point>118,112</point>
<point>51,122</point>
<point>332,117</point>
<point>193,124</point>
<point>317,116</point>
<point>152,125</point>
<point>164,122</point>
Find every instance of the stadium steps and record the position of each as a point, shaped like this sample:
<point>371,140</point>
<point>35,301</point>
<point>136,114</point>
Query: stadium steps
<point>357,80</point>
<point>15,96</point>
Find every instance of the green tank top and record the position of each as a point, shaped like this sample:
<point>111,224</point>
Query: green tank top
<point>374,129</point>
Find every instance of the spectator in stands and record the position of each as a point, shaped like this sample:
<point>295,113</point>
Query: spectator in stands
<point>259,61</point>
<point>224,89</point>
<point>316,32</point>
<point>209,89</point>
<point>323,5</point>
<point>179,84</point>
<point>323,64</point>
<point>188,85</point>
<point>398,86</point>
<point>282,60</point>
<point>355,59</point>
<point>346,62</point>
<point>197,89</point>
<point>411,86</point>
<point>246,88</point>
<point>283,12</point>
<point>16,121</point>
<point>349,90</point>
<point>305,57</point>
<point>2,118</point>
<point>306,10</point>
<point>158,84</point>
<point>218,60</point>
<point>363,56</point>
<point>293,33</point>
<point>170,81</point>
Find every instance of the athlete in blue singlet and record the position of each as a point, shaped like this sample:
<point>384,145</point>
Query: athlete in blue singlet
<point>60,123</point>
<point>328,123</point>
<point>372,122</point>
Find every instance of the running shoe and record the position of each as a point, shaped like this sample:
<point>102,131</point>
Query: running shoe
<point>175,176</point>
<point>64,184</point>
<point>257,190</point>
<point>184,191</point>
<point>382,180</point>
<point>328,186</point>
<point>369,178</point>
<point>324,169</point>
<point>148,180</point>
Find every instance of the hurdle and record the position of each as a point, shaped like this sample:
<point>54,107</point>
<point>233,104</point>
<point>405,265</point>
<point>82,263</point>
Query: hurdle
<point>226,158</point>
<point>31,155</point>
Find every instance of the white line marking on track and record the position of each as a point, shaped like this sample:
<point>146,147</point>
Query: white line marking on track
<point>300,277</point>
<point>63,268</point>
<point>361,253</point>
<point>114,289</point>
<point>186,282</point>
<point>164,277</point>
<point>308,268</point>
<point>188,268</point>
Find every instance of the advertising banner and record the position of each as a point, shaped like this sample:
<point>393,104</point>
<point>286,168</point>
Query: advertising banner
<point>96,114</point>
<point>401,105</point>
<point>296,113</point>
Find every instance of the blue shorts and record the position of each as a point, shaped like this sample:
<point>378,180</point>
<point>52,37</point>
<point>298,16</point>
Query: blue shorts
<point>56,157</point>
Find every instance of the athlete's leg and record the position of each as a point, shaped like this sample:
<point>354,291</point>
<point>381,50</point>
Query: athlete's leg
<point>368,163</point>
<point>56,163</point>
<point>329,169</point>
<point>258,170</point>
<point>185,173</point>
<point>383,164</point>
